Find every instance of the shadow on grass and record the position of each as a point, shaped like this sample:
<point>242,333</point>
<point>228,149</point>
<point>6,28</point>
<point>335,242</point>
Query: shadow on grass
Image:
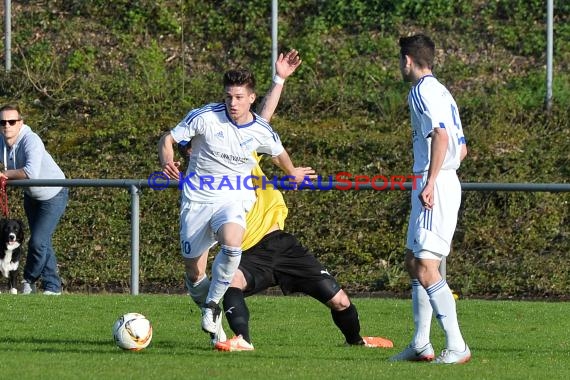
<point>55,345</point>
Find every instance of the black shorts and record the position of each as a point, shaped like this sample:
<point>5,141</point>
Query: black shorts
<point>279,259</point>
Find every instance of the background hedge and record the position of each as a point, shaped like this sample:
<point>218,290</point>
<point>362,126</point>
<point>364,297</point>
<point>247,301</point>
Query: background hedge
<point>101,81</point>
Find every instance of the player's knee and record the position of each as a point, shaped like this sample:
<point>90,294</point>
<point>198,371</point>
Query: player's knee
<point>324,290</point>
<point>231,234</point>
<point>426,268</point>
<point>193,275</point>
<point>239,280</point>
<point>339,302</point>
<point>195,268</point>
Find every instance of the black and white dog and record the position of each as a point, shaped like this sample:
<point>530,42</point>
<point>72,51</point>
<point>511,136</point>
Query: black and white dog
<point>11,240</point>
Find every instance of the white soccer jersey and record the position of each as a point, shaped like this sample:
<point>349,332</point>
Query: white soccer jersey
<point>220,165</point>
<point>432,106</point>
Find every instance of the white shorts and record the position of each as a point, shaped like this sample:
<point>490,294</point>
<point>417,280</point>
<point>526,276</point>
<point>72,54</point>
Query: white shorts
<point>199,223</point>
<point>432,230</point>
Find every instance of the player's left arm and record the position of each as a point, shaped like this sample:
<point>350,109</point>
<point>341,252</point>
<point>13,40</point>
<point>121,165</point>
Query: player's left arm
<point>166,156</point>
<point>463,152</point>
<point>439,141</point>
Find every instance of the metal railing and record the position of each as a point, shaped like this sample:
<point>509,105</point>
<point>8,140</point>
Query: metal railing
<point>136,185</point>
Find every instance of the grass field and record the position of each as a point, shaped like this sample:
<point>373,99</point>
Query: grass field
<point>69,337</point>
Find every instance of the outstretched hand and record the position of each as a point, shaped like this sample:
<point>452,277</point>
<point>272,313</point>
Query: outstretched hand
<point>288,63</point>
<point>301,175</point>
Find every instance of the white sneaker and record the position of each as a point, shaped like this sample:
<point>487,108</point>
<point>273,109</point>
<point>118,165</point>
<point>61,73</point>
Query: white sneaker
<point>415,354</point>
<point>50,293</point>
<point>28,288</point>
<point>220,335</point>
<point>454,357</point>
<point>211,317</point>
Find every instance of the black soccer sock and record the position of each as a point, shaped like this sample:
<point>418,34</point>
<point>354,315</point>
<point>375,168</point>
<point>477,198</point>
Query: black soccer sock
<point>348,323</point>
<point>237,313</point>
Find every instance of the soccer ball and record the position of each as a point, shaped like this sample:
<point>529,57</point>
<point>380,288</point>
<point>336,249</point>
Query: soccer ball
<point>132,331</point>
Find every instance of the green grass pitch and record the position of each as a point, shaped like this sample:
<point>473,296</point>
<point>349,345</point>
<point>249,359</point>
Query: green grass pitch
<point>69,337</point>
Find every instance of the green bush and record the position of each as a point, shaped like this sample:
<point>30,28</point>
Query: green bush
<point>101,81</point>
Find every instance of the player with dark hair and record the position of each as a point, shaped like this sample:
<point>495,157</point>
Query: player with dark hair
<point>216,192</point>
<point>439,147</point>
<point>274,257</point>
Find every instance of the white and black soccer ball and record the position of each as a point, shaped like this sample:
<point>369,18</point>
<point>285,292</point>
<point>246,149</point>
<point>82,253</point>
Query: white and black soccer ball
<point>132,331</point>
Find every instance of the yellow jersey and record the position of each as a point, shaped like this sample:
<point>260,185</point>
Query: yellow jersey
<point>269,209</point>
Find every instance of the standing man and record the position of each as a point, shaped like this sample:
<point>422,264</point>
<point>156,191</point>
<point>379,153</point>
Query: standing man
<point>218,190</point>
<point>25,157</point>
<point>439,147</point>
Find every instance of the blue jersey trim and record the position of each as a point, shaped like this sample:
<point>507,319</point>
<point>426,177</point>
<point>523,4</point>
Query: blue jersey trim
<point>240,126</point>
<point>435,287</point>
<point>416,95</point>
<point>214,107</point>
<point>261,122</point>
<point>427,220</point>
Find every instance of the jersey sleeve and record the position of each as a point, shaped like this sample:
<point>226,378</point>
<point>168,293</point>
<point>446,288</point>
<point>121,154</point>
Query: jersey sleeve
<point>430,108</point>
<point>439,111</point>
<point>271,145</point>
<point>190,126</point>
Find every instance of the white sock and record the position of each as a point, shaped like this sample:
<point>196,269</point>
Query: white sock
<point>443,303</point>
<point>223,269</point>
<point>422,314</point>
<point>198,290</point>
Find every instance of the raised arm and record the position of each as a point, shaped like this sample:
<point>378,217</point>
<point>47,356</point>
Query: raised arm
<point>284,67</point>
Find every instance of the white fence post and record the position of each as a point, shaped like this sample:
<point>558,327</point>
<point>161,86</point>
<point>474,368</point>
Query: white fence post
<point>135,239</point>
<point>7,35</point>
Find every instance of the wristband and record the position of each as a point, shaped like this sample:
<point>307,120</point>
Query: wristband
<point>278,80</point>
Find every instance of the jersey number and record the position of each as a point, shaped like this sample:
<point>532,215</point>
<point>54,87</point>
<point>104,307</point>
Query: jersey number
<point>455,117</point>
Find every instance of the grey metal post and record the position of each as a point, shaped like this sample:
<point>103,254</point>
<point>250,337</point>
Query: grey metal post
<point>273,36</point>
<point>135,237</point>
<point>8,35</point>
<point>549,52</point>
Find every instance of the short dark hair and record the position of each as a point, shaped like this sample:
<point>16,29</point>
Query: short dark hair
<point>11,107</point>
<point>239,77</point>
<point>420,48</point>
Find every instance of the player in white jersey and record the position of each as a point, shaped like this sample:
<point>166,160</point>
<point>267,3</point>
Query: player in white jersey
<point>217,188</point>
<point>439,147</point>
